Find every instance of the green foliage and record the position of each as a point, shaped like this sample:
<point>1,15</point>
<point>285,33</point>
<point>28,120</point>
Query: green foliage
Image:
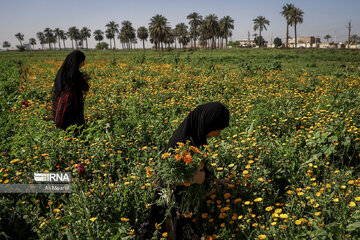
<point>278,42</point>
<point>102,46</point>
<point>291,151</point>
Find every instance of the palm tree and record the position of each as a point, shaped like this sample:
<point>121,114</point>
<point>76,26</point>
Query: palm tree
<point>63,37</point>
<point>142,34</point>
<point>181,31</point>
<point>296,17</point>
<point>41,37</point>
<point>74,34</point>
<point>212,28</point>
<point>286,13</point>
<point>226,24</point>
<point>57,32</point>
<point>169,36</point>
<point>158,28</point>
<point>260,23</point>
<point>98,35</point>
<point>48,33</point>
<point>127,33</point>
<point>6,45</point>
<point>327,37</point>
<point>112,29</point>
<point>20,37</point>
<point>195,22</point>
<point>354,39</point>
<point>85,34</point>
<point>32,42</point>
<point>109,35</point>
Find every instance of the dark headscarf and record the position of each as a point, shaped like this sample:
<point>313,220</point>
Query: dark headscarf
<point>202,120</point>
<point>69,71</point>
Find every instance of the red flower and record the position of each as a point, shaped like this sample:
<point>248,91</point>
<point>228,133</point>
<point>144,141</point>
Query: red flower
<point>80,168</point>
<point>24,103</point>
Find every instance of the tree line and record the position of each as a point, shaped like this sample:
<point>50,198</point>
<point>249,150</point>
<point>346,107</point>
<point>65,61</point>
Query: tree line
<point>208,32</point>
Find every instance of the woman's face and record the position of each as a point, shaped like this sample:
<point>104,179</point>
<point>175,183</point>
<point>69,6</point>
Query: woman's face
<point>215,133</point>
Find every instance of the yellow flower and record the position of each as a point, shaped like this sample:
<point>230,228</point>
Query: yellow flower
<point>42,225</point>
<point>268,209</point>
<point>317,213</point>
<point>357,199</point>
<point>165,234</point>
<point>165,155</point>
<point>336,200</point>
<point>93,219</point>
<point>279,210</point>
<point>297,222</point>
<point>262,236</point>
<point>56,210</point>
<point>247,203</point>
<point>352,204</point>
<point>258,199</point>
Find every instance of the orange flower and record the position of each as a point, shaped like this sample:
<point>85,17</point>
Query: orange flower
<point>178,157</point>
<point>188,159</point>
<point>194,150</point>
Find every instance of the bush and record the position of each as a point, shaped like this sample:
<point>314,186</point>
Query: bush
<point>102,46</point>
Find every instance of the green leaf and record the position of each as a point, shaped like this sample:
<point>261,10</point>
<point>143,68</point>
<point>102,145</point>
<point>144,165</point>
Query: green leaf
<point>353,226</point>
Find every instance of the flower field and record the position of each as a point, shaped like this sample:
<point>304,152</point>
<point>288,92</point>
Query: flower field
<point>291,152</point>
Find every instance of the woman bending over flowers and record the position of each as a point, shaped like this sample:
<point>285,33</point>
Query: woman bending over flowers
<point>205,121</point>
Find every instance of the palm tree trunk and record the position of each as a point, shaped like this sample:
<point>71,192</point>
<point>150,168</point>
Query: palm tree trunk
<point>49,46</point>
<point>59,43</point>
<point>72,43</point>
<point>287,35</point>
<point>259,38</point>
<point>114,44</point>
<point>110,43</point>
<point>295,37</point>
<point>195,39</point>
<point>86,43</point>
<point>64,43</point>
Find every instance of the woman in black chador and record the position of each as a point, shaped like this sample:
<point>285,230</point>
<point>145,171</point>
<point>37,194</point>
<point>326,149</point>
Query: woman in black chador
<point>70,85</point>
<point>203,122</point>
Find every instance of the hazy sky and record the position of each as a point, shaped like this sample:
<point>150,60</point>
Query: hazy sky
<point>321,17</point>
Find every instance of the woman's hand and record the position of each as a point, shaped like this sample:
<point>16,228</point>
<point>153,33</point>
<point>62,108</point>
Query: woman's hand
<point>222,182</point>
<point>199,176</point>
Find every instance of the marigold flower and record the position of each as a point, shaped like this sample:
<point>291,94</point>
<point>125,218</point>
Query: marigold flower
<point>188,159</point>
<point>297,222</point>
<point>268,209</point>
<point>165,155</point>
<point>258,199</point>
<point>352,204</point>
<point>93,219</point>
<point>262,236</point>
<point>165,234</point>
<point>178,157</point>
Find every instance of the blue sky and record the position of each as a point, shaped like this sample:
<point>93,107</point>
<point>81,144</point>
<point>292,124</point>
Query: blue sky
<point>321,17</point>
